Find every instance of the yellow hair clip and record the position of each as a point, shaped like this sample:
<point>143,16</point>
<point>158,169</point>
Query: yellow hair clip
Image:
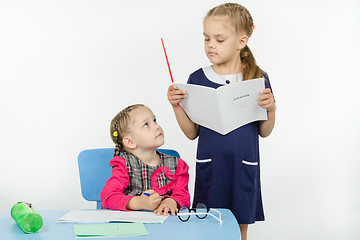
<point>115,134</point>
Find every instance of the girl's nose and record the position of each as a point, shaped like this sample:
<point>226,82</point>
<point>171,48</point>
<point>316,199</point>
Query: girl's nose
<point>211,44</point>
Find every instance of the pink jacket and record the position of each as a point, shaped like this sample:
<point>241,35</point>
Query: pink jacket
<point>112,196</point>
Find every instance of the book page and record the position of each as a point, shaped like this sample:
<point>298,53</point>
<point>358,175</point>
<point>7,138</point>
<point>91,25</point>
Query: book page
<point>239,104</point>
<point>201,105</point>
<point>226,108</point>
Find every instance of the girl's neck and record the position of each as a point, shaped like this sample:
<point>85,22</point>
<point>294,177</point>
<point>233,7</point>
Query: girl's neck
<point>228,68</point>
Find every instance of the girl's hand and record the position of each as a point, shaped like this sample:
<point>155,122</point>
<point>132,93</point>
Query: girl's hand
<point>266,100</point>
<point>145,202</point>
<point>167,205</point>
<point>150,202</point>
<point>175,96</point>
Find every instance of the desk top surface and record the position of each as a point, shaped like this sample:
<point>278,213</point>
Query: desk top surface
<point>207,228</point>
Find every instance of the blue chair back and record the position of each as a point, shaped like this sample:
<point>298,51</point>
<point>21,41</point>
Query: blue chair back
<point>94,171</point>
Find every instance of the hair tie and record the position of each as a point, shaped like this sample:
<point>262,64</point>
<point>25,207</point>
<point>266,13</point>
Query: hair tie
<point>253,27</point>
<point>115,134</point>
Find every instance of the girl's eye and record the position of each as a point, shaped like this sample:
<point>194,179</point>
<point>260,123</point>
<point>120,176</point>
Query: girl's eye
<point>155,120</point>
<point>220,40</point>
<point>206,39</point>
<point>146,125</point>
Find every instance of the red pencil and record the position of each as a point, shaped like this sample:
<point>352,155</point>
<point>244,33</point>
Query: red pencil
<point>167,61</point>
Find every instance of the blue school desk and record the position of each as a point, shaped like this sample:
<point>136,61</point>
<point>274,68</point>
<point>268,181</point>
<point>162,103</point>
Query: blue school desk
<point>207,228</point>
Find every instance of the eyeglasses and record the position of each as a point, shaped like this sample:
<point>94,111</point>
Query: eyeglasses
<point>201,211</point>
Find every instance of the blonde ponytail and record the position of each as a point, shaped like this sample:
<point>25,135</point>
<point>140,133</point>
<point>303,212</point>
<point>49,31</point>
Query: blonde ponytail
<point>249,68</point>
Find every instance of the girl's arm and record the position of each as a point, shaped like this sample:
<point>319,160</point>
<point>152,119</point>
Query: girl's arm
<point>266,100</point>
<point>189,128</point>
<point>112,196</point>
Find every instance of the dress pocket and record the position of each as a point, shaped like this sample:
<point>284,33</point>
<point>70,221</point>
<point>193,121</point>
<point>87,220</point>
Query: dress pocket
<point>248,177</point>
<point>203,173</point>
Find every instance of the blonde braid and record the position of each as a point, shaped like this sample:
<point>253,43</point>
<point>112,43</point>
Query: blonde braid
<point>119,127</point>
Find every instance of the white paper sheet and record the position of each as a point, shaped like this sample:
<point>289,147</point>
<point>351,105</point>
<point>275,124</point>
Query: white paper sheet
<point>105,216</point>
<point>226,108</point>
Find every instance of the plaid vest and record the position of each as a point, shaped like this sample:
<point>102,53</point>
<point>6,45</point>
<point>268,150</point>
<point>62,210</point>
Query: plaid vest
<point>140,173</point>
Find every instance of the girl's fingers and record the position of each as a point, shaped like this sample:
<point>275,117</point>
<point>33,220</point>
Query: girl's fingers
<point>174,91</point>
<point>266,90</point>
<point>171,87</point>
<point>166,210</point>
<point>180,92</point>
<point>269,105</point>
<point>150,191</point>
<point>159,210</point>
<point>265,102</point>
<point>265,93</point>
<point>175,95</point>
<point>174,211</point>
<point>264,96</point>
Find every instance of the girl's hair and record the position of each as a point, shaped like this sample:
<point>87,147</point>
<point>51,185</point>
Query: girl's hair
<point>241,19</point>
<point>119,127</point>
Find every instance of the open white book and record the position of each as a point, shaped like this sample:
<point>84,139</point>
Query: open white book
<point>106,216</point>
<point>226,108</point>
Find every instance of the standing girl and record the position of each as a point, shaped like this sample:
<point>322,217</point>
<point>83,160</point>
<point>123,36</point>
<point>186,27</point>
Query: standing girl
<point>228,166</point>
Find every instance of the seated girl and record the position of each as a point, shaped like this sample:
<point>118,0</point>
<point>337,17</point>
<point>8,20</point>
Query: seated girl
<point>142,177</point>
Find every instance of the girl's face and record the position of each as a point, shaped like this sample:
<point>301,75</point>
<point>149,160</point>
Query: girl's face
<point>222,43</point>
<point>144,130</point>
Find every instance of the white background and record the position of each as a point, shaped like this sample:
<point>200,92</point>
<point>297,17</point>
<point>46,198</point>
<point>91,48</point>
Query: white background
<point>67,67</point>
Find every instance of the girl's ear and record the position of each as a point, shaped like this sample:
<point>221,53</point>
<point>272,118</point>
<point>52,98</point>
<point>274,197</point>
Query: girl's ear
<point>129,142</point>
<point>243,40</point>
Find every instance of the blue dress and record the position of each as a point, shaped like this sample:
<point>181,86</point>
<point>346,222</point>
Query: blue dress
<point>228,166</point>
